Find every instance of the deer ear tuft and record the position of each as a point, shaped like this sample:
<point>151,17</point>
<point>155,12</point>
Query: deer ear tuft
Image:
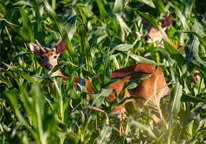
<point>34,49</point>
<point>61,47</point>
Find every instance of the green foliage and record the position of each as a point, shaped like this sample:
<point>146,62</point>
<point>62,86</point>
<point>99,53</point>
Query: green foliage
<point>101,36</point>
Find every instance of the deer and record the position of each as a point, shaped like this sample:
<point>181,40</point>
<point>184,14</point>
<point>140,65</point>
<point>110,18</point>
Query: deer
<point>154,35</point>
<point>145,89</point>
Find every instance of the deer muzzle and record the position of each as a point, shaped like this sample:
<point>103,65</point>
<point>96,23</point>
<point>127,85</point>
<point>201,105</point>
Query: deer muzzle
<point>49,66</point>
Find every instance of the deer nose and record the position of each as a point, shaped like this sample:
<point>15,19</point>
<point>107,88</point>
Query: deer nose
<point>49,66</point>
<point>147,37</point>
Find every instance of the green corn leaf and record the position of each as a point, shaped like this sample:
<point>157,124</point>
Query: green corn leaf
<point>10,23</point>
<point>188,4</point>
<point>194,113</point>
<point>159,5</point>
<point>106,71</point>
<point>198,134</point>
<point>27,102</point>
<point>97,99</point>
<point>121,48</point>
<point>27,26</point>
<point>21,31</point>
<point>175,98</point>
<point>181,16</point>
<point>118,5</point>
<point>2,82</point>
<point>5,80</point>
<point>177,56</point>
<point>150,20</point>
<point>21,73</point>
<point>87,12</point>
<point>58,25</point>
<point>38,33</point>
<point>84,46</point>
<point>94,83</point>
<point>165,55</point>
<point>120,78</point>
<point>58,93</point>
<point>189,98</point>
<point>95,39</point>
<point>103,12</point>
<point>71,26</point>
<point>143,127</point>
<point>22,3</point>
<point>19,55</point>
<point>122,24</point>
<point>82,85</point>
<point>104,135</point>
<point>131,107</point>
<point>38,106</point>
<point>197,32</point>
<point>12,98</point>
<point>199,66</point>
<point>148,2</point>
<point>59,28</point>
<point>143,60</point>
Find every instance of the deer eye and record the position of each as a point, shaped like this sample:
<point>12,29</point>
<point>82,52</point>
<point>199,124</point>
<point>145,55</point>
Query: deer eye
<point>55,56</point>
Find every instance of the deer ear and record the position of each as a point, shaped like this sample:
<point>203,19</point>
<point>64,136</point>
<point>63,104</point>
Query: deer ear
<point>61,47</point>
<point>167,21</point>
<point>34,49</point>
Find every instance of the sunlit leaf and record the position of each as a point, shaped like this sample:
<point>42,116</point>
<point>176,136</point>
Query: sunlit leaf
<point>118,5</point>
<point>104,135</point>
<point>148,2</point>
<point>159,5</point>
<point>143,127</point>
<point>181,16</point>
<point>103,13</point>
<point>21,3</point>
<point>175,99</point>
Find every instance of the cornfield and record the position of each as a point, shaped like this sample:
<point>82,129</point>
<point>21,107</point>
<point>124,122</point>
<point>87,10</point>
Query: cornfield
<point>101,36</point>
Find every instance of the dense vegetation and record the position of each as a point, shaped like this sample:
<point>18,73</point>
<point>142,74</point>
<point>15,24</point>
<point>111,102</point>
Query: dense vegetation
<point>101,36</point>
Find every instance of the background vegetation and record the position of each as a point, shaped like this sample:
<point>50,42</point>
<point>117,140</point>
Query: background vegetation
<point>101,36</point>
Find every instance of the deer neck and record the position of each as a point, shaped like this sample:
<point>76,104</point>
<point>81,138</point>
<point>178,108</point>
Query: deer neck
<point>59,73</point>
<point>56,73</point>
<point>178,47</point>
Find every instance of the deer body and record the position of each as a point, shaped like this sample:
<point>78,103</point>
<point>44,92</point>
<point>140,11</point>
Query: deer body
<point>145,89</point>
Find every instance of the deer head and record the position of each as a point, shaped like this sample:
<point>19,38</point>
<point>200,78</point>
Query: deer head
<point>154,34</point>
<point>48,57</point>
